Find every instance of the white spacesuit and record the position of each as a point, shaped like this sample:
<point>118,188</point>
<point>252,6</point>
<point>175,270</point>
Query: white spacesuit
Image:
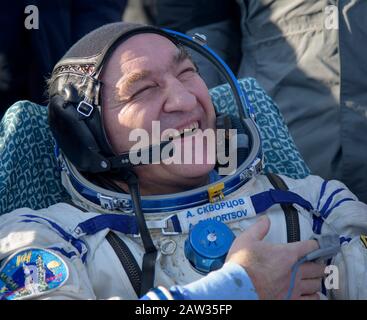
<point>96,272</point>
<point>92,249</point>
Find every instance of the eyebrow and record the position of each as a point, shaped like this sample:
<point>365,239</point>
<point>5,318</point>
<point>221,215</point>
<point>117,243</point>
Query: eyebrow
<point>132,78</point>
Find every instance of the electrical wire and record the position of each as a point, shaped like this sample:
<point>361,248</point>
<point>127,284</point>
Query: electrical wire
<point>323,252</point>
<point>295,268</point>
<point>150,255</point>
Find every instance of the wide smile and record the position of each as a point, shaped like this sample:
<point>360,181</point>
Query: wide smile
<point>186,131</point>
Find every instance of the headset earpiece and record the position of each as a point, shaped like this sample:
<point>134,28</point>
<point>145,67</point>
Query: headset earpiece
<point>227,122</point>
<point>67,125</point>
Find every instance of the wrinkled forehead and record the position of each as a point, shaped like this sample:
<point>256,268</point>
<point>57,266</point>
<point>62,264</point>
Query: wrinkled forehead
<point>144,49</point>
<point>143,55</point>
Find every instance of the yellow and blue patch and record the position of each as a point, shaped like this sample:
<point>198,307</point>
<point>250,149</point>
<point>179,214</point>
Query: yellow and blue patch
<point>31,272</point>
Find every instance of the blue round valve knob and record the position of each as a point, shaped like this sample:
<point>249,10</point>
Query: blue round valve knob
<point>207,245</point>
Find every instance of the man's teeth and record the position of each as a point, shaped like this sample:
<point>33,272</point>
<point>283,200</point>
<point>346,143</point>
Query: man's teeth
<point>185,131</point>
<point>191,128</point>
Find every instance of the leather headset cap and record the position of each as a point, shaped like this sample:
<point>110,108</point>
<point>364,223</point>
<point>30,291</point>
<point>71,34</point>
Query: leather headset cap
<point>75,104</point>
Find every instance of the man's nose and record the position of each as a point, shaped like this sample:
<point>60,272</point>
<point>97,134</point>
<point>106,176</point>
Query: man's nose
<point>179,98</point>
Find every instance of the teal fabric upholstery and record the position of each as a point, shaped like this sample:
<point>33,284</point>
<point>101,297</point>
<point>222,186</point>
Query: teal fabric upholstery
<point>29,175</point>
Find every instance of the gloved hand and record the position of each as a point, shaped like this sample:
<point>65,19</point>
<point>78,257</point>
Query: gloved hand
<point>269,265</point>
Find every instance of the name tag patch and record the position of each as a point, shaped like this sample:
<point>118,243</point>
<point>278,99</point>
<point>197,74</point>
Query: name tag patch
<point>31,272</point>
<point>225,211</point>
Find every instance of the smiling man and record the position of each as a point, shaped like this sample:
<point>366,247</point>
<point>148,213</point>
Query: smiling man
<point>176,227</point>
<point>138,90</point>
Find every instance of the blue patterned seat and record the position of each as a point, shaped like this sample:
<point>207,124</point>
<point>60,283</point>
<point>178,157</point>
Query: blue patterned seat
<point>29,176</point>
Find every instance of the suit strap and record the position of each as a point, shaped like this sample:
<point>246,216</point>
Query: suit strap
<point>124,255</point>
<point>127,260</point>
<point>291,214</point>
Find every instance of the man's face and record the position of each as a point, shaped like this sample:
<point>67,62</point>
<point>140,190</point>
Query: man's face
<point>147,79</point>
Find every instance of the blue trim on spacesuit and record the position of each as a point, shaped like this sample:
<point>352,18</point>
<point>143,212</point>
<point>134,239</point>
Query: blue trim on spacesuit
<point>63,252</point>
<point>170,204</point>
<point>325,211</point>
<point>160,295</point>
<point>128,224</point>
<point>264,200</point>
<point>30,220</point>
<point>317,224</point>
<point>322,192</point>
<point>329,200</point>
<point>78,244</point>
<point>117,222</point>
<point>176,224</point>
<point>344,239</point>
<point>336,205</point>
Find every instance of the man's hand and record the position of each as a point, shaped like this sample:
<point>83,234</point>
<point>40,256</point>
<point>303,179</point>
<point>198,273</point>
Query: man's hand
<point>269,265</point>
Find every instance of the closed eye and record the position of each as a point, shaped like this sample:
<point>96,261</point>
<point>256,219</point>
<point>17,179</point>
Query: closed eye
<point>189,69</point>
<point>143,90</point>
<point>187,74</point>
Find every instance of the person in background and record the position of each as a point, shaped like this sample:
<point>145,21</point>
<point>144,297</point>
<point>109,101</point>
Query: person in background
<point>27,56</point>
<point>129,229</point>
<point>309,56</point>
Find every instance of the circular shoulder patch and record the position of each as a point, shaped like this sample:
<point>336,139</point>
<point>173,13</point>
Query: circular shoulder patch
<point>31,272</point>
